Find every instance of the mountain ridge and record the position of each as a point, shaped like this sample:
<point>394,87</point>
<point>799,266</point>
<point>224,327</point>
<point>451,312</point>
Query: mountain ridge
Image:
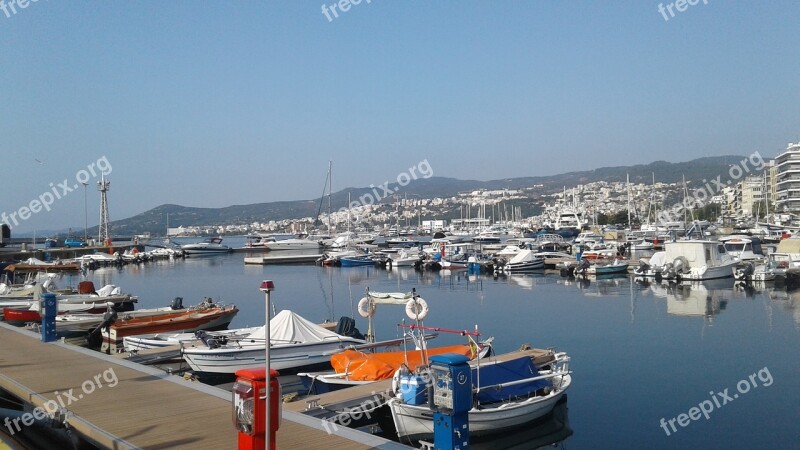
<point>154,220</point>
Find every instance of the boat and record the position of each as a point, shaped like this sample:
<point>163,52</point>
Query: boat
<point>618,265</point>
<point>642,245</point>
<point>204,316</point>
<point>524,261</point>
<point>405,259</point>
<point>506,393</point>
<point>354,261</point>
<point>294,342</point>
<point>689,260</point>
<point>208,246</point>
<point>292,244</point>
<point>161,340</point>
<point>743,248</point>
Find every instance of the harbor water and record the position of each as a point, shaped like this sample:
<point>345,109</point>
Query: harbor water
<point>647,358</point>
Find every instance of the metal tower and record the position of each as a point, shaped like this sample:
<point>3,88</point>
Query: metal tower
<point>103,185</point>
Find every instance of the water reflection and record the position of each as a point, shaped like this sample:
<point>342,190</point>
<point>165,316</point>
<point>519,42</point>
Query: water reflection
<point>698,299</point>
<point>551,430</point>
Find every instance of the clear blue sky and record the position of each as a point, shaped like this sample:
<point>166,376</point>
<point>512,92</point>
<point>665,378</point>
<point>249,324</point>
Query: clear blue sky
<point>220,103</point>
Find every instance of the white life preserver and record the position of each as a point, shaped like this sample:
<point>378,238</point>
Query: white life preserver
<point>416,309</point>
<point>365,308</point>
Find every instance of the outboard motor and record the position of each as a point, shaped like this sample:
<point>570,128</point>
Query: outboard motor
<point>211,341</point>
<point>745,272</point>
<point>95,337</point>
<point>177,303</point>
<point>642,269</point>
<point>347,327</point>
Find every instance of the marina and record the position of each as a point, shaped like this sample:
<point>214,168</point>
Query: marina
<point>635,316</point>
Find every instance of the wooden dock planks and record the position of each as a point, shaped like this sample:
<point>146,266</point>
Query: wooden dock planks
<point>144,408</point>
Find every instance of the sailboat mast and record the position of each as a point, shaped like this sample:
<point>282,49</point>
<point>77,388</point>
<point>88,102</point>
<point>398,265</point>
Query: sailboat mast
<point>330,186</point>
<point>628,186</point>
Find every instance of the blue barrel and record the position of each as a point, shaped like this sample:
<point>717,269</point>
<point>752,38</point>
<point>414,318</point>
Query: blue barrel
<point>49,310</point>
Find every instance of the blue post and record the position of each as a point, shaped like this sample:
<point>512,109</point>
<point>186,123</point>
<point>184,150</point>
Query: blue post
<point>49,310</point>
<point>450,400</point>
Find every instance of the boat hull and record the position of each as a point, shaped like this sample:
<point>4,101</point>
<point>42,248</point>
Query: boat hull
<point>414,423</point>
<point>182,321</point>
<point>282,357</point>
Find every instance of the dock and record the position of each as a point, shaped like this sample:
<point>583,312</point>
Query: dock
<point>283,259</point>
<point>113,403</point>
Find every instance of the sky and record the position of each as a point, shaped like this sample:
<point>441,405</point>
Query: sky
<point>211,104</point>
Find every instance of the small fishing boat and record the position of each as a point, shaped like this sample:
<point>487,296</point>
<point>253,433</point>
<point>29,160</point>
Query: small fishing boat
<point>208,246</point>
<point>616,266</point>
<point>690,260</point>
<point>355,261</point>
<point>507,394</point>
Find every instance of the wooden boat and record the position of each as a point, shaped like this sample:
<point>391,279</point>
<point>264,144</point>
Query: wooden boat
<point>507,394</point>
<point>205,316</point>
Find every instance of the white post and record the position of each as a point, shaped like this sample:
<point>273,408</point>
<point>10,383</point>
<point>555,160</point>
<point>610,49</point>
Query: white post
<point>267,286</point>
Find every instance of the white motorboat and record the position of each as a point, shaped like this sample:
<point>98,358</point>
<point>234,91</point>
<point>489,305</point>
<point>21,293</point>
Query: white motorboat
<point>642,245</point>
<point>294,342</point>
<point>405,259</point>
<point>533,392</point>
<point>743,248</point>
<point>160,340</point>
<point>525,260</point>
<point>293,244</point>
<point>689,260</point>
<point>208,246</point>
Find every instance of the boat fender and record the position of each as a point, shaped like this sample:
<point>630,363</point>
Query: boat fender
<point>365,309</point>
<point>417,309</point>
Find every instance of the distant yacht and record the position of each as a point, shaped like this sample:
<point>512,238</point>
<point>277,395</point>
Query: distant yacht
<point>292,244</point>
<point>208,246</point>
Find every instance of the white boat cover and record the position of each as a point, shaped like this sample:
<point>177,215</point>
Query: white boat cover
<point>287,327</point>
<point>522,256</point>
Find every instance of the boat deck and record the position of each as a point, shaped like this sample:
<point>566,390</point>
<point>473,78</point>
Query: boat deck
<point>119,404</point>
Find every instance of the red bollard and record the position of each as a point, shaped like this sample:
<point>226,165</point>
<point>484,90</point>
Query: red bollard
<point>249,394</point>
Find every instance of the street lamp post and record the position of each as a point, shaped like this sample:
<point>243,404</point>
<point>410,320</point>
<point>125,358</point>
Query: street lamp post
<point>85,215</point>
<point>266,287</point>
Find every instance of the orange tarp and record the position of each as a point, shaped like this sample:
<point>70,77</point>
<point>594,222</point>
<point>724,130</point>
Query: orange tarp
<point>382,365</point>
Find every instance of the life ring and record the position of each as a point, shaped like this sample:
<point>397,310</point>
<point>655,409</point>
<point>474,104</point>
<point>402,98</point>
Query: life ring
<point>416,309</point>
<point>365,308</point>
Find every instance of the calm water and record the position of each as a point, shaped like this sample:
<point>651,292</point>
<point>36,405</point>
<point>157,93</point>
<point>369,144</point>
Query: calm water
<point>640,352</point>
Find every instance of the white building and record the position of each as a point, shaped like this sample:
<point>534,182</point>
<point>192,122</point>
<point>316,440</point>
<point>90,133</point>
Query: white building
<point>787,184</point>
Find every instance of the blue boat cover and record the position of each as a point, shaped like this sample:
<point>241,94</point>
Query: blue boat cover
<point>503,372</point>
